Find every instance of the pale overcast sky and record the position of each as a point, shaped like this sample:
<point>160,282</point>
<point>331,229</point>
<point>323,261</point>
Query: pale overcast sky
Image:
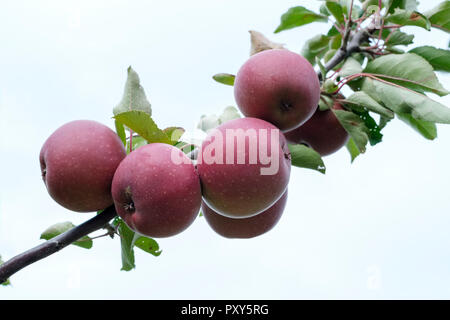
<point>376,229</point>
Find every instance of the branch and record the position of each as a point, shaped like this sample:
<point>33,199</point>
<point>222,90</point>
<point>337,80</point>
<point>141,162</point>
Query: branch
<point>350,44</point>
<point>55,244</point>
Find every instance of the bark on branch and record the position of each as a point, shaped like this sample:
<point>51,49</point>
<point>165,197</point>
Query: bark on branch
<point>55,244</point>
<point>349,46</point>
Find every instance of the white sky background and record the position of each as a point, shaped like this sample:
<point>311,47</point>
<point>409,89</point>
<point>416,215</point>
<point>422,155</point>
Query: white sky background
<point>376,229</point>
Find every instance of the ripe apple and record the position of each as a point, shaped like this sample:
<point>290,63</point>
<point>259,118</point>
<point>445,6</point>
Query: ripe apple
<point>244,167</point>
<point>245,227</point>
<point>78,162</point>
<point>154,195</point>
<point>323,132</point>
<point>278,86</point>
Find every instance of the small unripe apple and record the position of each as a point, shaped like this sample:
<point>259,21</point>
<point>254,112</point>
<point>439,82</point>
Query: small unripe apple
<point>244,167</point>
<point>78,162</point>
<point>278,86</point>
<point>245,228</point>
<point>323,132</point>
<point>155,195</point>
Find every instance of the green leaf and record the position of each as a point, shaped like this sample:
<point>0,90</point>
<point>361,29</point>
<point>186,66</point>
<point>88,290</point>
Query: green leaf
<point>174,133</point>
<point>350,67</point>
<point>323,71</point>
<point>120,129</point>
<point>335,41</point>
<point>335,9</point>
<point>225,78</point>
<point>329,86</point>
<point>305,157</point>
<point>60,228</point>
<point>323,10</point>
<point>355,127</point>
<point>133,96</point>
<point>141,123</point>
<point>325,103</point>
<point>409,5</point>
<point>438,58</point>
<point>399,38</point>
<point>229,113</point>
<point>7,282</point>
<point>372,8</point>
<point>425,128</point>
<point>185,147</point>
<point>357,11</point>
<point>362,99</point>
<point>315,47</point>
<point>410,70</point>
<point>402,100</point>
<point>409,18</point>
<point>383,122</point>
<point>374,133</point>
<point>394,50</point>
<point>126,242</point>
<point>330,54</point>
<point>352,149</point>
<point>148,245</point>
<point>440,16</point>
<point>333,32</point>
<point>299,16</point>
<point>137,143</point>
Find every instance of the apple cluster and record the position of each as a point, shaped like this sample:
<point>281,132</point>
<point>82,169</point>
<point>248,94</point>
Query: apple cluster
<point>85,166</point>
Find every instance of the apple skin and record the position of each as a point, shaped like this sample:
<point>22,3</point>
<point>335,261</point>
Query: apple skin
<point>155,196</point>
<point>78,162</point>
<point>323,132</point>
<point>278,86</point>
<point>239,190</point>
<point>245,228</point>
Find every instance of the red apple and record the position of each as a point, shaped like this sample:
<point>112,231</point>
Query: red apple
<point>323,132</point>
<point>278,86</point>
<point>244,167</point>
<point>245,227</point>
<point>78,162</point>
<point>155,195</point>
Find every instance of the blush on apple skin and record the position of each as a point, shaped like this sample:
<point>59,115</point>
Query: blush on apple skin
<point>78,162</point>
<point>246,227</point>
<point>278,86</point>
<point>155,196</point>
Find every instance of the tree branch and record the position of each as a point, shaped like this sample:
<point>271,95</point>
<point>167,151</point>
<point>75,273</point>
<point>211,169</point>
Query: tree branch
<point>350,44</point>
<point>55,244</point>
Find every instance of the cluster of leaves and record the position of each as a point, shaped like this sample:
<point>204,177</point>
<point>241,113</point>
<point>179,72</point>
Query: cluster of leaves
<point>384,80</point>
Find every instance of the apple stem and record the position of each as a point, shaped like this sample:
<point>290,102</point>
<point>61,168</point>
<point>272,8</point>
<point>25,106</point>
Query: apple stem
<point>55,244</point>
<point>131,140</point>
